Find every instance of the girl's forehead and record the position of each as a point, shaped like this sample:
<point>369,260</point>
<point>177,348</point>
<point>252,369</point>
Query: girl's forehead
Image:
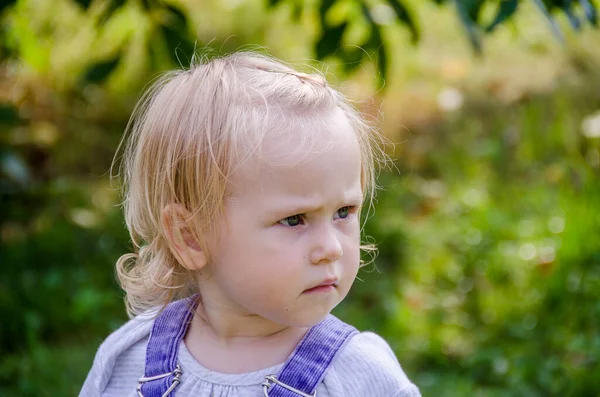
<point>304,148</point>
<point>303,138</point>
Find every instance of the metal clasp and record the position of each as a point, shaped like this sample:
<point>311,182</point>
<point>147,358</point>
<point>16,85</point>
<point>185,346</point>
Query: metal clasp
<point>176,380</point>
<point>270,380</point>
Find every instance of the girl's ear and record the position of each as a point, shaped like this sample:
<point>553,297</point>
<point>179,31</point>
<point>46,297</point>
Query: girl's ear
<point>182,243</point>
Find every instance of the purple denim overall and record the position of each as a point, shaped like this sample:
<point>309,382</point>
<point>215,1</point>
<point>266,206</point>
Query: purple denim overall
<point>299,376</point>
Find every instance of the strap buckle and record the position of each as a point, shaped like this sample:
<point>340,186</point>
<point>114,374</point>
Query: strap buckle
<point>176,380</point>
<point>271,380</point>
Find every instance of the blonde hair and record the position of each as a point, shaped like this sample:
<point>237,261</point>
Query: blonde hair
<point>187,133</point>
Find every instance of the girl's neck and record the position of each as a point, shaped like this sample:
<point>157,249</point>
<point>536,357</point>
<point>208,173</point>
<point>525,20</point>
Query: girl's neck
<point>228,325</point>
<point>227,343</point>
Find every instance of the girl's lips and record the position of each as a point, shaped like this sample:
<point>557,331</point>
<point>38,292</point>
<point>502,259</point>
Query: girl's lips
<point>321,288</point>
<point>325,286</point>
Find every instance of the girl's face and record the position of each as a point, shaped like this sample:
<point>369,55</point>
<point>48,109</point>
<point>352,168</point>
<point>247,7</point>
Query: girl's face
<point>288,247</point>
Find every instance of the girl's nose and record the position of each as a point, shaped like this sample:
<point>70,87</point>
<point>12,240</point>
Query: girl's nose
<point>328,247</point>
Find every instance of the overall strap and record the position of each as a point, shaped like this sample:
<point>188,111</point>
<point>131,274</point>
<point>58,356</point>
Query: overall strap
<point>162,374</point>
<point>306,367</point>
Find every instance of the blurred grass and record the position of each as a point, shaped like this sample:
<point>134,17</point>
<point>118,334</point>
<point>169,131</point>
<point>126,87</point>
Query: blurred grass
<point>488,278</point>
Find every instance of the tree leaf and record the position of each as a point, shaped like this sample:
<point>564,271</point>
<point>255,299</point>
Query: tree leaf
<point>330,41</point>
<point>469,25</point>
<point>473,8</point>
<point>375,42</point>
<point>553,26</point>
<point>114,6</point>
<point>177,38</point>
<point>506,9</point>
<point>405,16</point>
<point>178,45</point>
<point>273,3</point>
<point>323,8</point>
<point>177,18</point>
<point>297,10</point>
<point>98,72</point>
<point>590,11</point>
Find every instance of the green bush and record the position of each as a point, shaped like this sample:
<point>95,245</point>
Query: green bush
<point>494,243</point>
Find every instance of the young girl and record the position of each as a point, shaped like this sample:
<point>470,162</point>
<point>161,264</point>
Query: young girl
<point>244,181</point>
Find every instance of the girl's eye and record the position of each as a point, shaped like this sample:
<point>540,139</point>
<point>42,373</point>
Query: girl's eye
<point>292,221</point>
<point>344,212</point>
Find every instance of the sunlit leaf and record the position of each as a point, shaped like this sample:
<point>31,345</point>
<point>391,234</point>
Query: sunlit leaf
<point>506,9</point>
<point>405,16</point>
<point>297,9</point>
<point>376,43</point>
<point>367,14</point>
<point>323,8</point>
<point>472,7</point>
<point>113,6</point>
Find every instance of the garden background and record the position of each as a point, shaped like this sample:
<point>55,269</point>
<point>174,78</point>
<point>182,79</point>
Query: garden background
<point>488,225</point>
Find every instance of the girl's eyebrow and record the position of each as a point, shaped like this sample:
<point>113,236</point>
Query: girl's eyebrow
<point>303,208</point>
<point>293,210</point>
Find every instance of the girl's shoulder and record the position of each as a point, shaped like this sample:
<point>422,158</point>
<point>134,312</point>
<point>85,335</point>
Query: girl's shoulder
<point>125,336</point>
<point>368,366</point>
<point>117,343</point>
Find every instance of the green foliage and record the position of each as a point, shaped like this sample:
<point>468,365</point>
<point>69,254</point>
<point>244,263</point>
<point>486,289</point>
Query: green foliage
<point>99,71</point>
<point>506,9</point>
<point>404,15</point>
<point>46,371</point>
<point>494,243</point>
<point>171,30</point>
<point>488,277</point>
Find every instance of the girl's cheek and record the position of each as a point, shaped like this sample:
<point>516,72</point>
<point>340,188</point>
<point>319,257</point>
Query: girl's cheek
<point>352,226</point>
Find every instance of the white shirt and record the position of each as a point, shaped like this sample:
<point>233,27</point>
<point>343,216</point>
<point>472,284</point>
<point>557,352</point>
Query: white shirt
<point>366,366</point>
